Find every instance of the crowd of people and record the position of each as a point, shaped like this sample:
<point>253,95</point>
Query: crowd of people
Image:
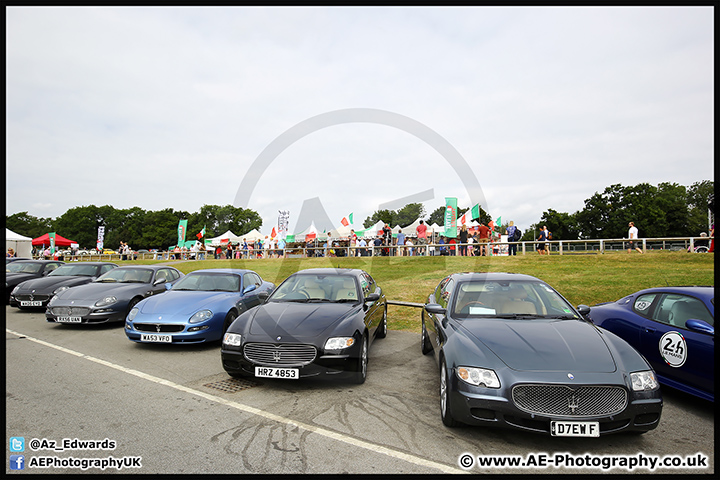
<point>479,240</point>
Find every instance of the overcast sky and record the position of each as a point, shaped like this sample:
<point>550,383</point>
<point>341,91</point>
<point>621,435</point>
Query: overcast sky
<point>170,107</point>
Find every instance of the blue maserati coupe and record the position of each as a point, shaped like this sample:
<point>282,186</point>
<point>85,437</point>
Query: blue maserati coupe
<point>198,308</point>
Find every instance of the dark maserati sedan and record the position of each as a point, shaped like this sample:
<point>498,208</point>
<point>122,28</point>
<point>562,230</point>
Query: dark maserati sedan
<point>111,296</point>
<point>22,270</point>
<point>318,322</point>
<point>512,352</point>
<point>38,292</point>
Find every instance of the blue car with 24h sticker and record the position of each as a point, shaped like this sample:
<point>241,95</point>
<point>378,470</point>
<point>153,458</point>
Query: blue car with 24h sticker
<point>673,328</point>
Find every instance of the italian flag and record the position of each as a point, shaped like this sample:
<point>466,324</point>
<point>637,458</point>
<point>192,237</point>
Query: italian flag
<point>347,220</point>
<point>468,216</point>
<point>201,234</point>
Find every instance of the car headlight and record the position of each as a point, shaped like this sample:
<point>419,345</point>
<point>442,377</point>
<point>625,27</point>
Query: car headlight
<point>60,289</point>
<point>106,301</point>
<point>643,380</point>
<point>478,376</point>
<point>201,316</point>
<point>232,339</point>
<point>133,313</point>
<point>14,290</point>
<point>338,343</point>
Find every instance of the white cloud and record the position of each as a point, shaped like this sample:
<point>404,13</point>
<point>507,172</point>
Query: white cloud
<point>169,107</point>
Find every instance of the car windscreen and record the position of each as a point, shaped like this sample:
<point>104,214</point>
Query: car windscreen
<point>509,299</point>
<point>126,275</point>
<point>209,282</point>
<point>316,288</point>
<point>21,267</point>
<point>74,270</point>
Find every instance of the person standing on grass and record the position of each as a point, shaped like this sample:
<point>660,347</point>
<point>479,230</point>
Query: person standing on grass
<point>483,238</point>
<point>463,241</point>
<point>400,243</point>
<point>542,239</point>
<point>510,231</point>
<point>633,235</point>
<point>421,230</point>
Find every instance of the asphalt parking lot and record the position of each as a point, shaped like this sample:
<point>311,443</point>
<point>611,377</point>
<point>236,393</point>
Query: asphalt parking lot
<point>172,409</point>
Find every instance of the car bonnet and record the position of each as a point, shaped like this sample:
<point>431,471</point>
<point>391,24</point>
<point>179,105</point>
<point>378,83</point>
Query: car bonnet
<point>544,345</point>
<point>302,320</point>
<point>184,302</point>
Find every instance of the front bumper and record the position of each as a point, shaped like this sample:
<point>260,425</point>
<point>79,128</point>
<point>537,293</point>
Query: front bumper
<point>490,407</point>
<point>94,315</point>
<point>203,332</point>
<point>36,301</point>
<point>324,364</point>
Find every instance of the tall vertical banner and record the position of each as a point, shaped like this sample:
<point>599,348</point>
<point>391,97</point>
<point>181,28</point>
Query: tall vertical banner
<point>182,230</point>
<point>450,217</point>
<point>101,238</point>
<point>283,223</point>
<point>52,241</point>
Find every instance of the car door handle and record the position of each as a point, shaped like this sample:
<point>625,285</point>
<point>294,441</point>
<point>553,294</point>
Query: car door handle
<point>650,330</point>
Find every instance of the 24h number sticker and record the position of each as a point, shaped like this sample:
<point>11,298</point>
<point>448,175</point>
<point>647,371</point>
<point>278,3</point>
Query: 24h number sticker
<point>673,349</point>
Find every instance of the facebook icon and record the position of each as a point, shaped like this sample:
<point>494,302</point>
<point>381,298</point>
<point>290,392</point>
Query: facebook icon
<point>17,462</point>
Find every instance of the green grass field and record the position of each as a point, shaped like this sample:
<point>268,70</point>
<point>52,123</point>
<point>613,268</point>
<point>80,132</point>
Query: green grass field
<point>582,279</point>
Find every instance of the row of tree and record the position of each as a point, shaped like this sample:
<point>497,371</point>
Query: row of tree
<point>135,226</point>
<point>666,210</point>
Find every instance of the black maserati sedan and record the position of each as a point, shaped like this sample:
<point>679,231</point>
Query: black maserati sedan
<point>37,293</point>
<point>317,323</point>
<point>512,352</point>
<point>22,270</point>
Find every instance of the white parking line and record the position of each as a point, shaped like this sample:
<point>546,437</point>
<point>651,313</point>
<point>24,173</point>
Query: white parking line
<point>254,411</point>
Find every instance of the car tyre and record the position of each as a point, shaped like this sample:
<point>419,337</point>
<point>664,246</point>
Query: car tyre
<point>132,303</point>
<point>360,373</point>
<point>382,329</point>
<point>229,318</point>
<point>425,346</point>
<point>445,409</point>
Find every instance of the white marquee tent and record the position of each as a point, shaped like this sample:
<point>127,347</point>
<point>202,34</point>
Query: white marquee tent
<point>20,244</point>
<point>215,241</point>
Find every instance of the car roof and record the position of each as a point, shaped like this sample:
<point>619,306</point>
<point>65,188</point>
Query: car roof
<point>147,267</point>
<point>92,263</point>
<point>329,271</point>
<point>236,271</point>
<point>697,290</point>
<point>39,261</point>
<point>492,276</point>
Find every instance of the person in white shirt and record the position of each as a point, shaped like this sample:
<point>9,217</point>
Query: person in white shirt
<point>633,235</point>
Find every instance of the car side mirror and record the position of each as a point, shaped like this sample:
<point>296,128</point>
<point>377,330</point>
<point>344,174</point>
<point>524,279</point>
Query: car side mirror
<point>583,310</point>
<point>249,289</point>
<point>435,309</point>
<point>373,297</point>
<point>263,296</point>
<point>158,281</point>
<point>700,326</point>
<point>168,285</point>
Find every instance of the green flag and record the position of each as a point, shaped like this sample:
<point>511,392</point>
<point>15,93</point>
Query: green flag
<point>182,228</point>
<point>51,235</point>
<point>450,217</point>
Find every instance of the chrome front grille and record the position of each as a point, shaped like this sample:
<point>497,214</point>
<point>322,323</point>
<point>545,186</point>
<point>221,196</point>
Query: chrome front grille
<point>30,297</point>
<point>562,400</point>
<point>159,327</point>
<point>70,311</point>
<point>280,355</point>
